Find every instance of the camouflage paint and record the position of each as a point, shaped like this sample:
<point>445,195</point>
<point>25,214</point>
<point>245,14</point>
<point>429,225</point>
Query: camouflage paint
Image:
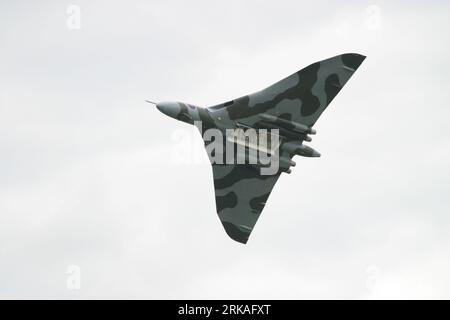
<point>289,105</point>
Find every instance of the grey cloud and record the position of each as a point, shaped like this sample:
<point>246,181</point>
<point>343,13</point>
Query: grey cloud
<point>82,173</point>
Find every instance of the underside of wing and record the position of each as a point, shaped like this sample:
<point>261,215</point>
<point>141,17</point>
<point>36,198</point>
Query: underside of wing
<point>301,97</point>
<point>291,106</point>
<point>241,194</point>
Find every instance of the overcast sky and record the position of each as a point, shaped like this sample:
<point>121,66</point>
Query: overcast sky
<point>88,180</point>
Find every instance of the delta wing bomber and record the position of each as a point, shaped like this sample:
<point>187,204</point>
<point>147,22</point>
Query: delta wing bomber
<point>251,140</point>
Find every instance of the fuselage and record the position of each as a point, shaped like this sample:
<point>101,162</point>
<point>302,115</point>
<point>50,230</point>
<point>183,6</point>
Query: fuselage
<point>196,115</point>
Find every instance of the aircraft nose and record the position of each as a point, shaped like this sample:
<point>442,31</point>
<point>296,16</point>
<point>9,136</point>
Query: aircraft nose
<point>171,109</point>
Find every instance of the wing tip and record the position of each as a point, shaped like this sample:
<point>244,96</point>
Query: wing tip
<point>353,60</point>
<point>235,233</point>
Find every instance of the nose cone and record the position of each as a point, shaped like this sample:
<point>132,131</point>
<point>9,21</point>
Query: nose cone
<point>171,109</point>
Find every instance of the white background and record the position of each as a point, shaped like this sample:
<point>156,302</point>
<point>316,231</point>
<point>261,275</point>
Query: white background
<point>87,176</point>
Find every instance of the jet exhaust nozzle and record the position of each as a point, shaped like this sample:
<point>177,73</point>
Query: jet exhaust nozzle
<point>300,149</point>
